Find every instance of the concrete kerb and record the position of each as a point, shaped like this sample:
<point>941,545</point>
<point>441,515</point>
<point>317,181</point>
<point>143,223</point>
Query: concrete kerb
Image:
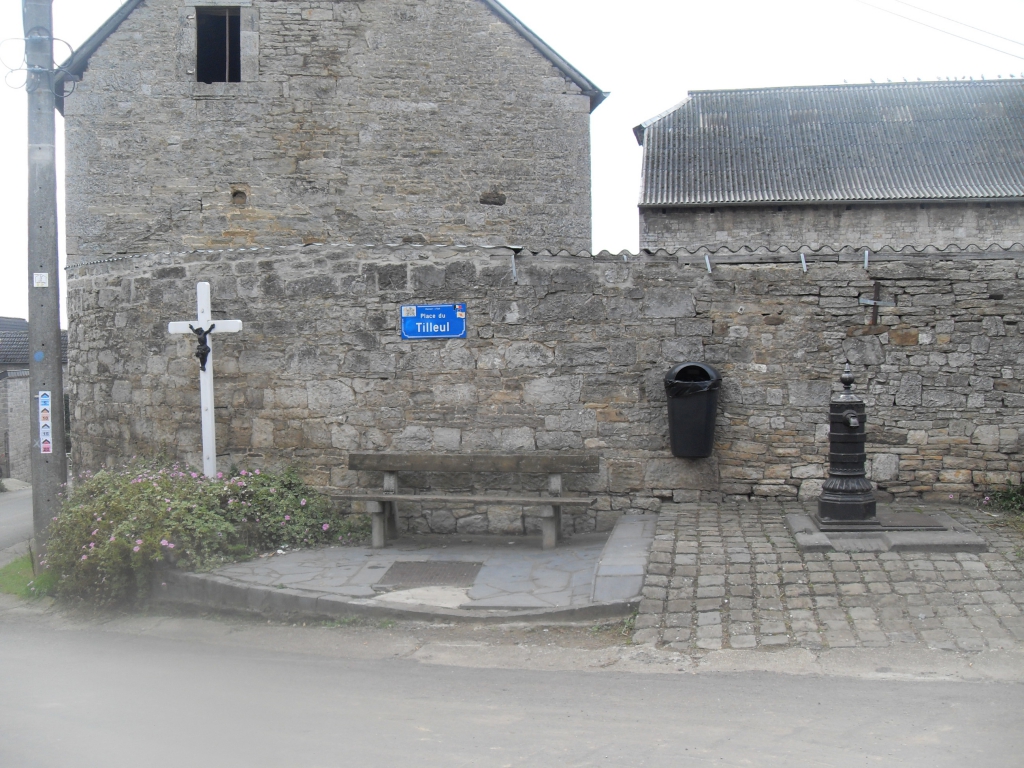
<point>222,595</point>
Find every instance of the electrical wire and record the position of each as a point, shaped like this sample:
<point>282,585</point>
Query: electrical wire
<point>961,23</point>
<point>939,29</point>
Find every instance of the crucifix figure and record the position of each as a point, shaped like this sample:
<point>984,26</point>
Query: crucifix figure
<point>202,347</point>
<point>205,355</point>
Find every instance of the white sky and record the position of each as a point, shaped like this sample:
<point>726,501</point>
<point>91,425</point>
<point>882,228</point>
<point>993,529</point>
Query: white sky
<point>648,53</point>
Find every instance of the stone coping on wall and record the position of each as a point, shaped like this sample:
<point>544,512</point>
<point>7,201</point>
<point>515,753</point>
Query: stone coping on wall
<point>724,255</point>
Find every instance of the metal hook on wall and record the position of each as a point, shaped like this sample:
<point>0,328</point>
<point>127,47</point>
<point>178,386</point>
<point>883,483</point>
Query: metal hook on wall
<point>515,276</point>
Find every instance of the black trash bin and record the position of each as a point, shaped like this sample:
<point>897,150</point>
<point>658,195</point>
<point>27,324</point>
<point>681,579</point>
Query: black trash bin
<point>692,390</point>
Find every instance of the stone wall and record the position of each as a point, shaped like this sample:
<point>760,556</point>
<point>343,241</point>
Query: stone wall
<point>567,356</point>
<point>14,425</point>
<point>812,227</point>
<point>357,120</point>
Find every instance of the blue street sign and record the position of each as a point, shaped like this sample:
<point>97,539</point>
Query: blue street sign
<point>434,321</point>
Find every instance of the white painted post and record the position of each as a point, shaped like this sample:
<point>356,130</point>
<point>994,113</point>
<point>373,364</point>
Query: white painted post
<point>206,377</point>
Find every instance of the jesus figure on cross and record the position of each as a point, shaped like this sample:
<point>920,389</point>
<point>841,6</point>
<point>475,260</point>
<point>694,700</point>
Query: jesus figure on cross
<point>202,328</point>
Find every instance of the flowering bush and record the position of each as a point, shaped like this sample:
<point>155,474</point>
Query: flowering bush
<point>116,525</point>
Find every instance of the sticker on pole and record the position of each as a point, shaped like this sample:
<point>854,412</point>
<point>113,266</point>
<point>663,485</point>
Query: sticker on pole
<point>45,423</point>
<point>434,321</point>
<point>40,280</point>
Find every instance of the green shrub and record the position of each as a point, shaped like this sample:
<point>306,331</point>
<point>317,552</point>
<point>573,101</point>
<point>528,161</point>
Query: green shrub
<point>118,524</point>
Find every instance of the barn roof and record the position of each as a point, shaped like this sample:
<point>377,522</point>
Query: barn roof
<point>78,63</point>
<point>14,347</point>
<point>838,143</point>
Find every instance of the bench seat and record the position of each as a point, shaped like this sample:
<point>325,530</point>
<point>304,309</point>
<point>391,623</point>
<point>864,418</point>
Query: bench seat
<point>518,501</point>
<point>382,505</point>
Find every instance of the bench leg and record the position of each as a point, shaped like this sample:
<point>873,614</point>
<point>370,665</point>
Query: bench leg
<point>376,510</point>
<point>551,529</point>
<point>390,507</point>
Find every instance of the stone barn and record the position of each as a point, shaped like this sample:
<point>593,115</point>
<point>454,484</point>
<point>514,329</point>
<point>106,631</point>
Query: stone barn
<point>874,166</point>
<point>258,122</point>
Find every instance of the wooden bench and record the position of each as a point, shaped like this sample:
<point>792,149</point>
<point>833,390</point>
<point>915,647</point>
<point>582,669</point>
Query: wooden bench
<point>383,505</point>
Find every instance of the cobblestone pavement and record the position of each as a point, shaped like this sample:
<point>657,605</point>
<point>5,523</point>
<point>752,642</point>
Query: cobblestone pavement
<point>732,577</point>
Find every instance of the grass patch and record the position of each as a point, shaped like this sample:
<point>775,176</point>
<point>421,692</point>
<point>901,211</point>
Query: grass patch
<point>16,579</point>
<point>1010,501</point>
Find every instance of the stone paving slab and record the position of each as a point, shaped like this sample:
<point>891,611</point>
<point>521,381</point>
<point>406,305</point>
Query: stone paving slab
<point>956,538</point>
<point>517,576</point>
<point>732,576</point>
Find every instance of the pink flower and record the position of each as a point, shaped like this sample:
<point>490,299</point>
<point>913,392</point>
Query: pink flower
<point>287,517</point>
<point>85,557</point>
<point>326,526</point>
<point>135,549</point>
<point>163,542</point>
<point>138,541</point>
<point>194,475</point>
<point>257,471</point>
<point>92,545</point>
<point>951,495</point>
<point>111,538</point>
<point>220,475</point>
<point>95,532</point>
<point>302,503</point>
<point>244,473</point>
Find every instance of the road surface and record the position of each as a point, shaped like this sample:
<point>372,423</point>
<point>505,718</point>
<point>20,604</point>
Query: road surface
<point>15,517</point>
<point>155,692</point>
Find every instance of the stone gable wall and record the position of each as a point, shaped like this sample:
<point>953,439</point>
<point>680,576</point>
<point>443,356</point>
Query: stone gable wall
<point>358,120</point>
<point>812,227</point>
<point>14,422</point>
<point>569,356</point>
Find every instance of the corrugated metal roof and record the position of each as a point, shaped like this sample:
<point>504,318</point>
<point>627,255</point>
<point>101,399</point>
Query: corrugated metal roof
<point>14,347</point>
<point>838,143</point>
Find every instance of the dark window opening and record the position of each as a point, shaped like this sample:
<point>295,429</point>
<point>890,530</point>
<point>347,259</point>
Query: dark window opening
<point>67,423</point>
<point>218,45</point>
<point>239,198</point>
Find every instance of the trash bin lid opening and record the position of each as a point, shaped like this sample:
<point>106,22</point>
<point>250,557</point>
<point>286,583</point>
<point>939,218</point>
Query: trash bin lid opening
<point>693,373</point>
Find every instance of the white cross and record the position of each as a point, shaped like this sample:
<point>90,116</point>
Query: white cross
<point>206,376</point>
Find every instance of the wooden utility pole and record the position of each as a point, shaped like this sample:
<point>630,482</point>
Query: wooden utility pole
<point>46,386</point>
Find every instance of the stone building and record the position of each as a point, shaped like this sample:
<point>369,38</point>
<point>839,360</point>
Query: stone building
<point>233,123</point>
<point>15,415</point>
<point>440,132</point>
<point>862,166</point>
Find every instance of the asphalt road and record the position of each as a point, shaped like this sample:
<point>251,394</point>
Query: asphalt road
<point>89,694</point>
<point>15,517</point>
